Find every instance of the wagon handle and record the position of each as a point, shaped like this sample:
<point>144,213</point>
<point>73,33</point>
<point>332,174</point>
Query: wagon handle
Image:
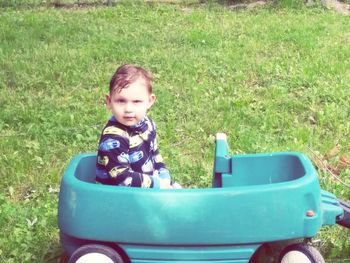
<point>222,162</point>
<point>345,219</point>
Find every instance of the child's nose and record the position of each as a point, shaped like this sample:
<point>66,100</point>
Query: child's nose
<point>128,107</point>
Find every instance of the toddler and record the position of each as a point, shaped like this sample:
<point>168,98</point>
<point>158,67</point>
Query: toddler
<point>128,153</point>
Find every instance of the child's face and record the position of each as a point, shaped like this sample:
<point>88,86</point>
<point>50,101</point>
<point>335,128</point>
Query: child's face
<point>130,105</point>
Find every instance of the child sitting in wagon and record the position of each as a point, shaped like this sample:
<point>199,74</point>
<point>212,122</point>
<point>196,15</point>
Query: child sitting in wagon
<point>128,153</point>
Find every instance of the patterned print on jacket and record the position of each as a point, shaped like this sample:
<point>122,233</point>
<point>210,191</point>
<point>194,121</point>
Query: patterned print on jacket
<point>129,156</point>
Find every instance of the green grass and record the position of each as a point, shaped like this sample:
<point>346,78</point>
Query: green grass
<point>273,79</point>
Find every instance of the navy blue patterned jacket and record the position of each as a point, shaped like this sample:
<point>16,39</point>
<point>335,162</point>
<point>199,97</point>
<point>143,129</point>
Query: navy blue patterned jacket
<point>129,156</point>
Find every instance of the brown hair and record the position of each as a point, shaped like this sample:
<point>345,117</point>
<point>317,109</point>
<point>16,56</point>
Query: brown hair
<point>127,74</point>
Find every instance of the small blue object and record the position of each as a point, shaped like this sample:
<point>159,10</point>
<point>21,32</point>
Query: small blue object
<point>109,144</point>
<point>164,173</point>
<point>136,156</point>
<point>256,200</point>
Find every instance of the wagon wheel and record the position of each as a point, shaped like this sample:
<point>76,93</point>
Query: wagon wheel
<point>301,253</point>
<point>95,254</point>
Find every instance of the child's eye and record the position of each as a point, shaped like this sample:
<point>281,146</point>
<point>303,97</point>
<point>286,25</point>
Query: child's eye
<point>137,101</point>
<point>120,101</point>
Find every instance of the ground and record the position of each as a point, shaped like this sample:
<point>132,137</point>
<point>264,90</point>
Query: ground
<point>338,6</point>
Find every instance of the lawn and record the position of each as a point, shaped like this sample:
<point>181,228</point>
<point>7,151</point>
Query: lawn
<point>272,78</point>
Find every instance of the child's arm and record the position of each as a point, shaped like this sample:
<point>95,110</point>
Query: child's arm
<point>160,168</point>
<point>159,165</point>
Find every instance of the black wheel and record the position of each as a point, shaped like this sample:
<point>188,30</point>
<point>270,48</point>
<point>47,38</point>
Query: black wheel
<point>301,253</point>
<point>95,254</point>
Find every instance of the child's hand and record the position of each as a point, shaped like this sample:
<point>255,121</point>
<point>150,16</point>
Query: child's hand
<point>165,184</point>
<point>175,185</point>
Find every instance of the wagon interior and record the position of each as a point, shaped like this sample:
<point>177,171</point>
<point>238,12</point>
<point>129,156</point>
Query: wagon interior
<point>262,169</point>
<point>245,170</point>
<point>86,169</point>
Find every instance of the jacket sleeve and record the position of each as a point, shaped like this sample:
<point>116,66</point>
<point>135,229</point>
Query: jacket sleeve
<point>159,164</point>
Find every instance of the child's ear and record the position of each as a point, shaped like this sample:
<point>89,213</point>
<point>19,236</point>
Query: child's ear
<point>152,99</point>
<point>108,101</point>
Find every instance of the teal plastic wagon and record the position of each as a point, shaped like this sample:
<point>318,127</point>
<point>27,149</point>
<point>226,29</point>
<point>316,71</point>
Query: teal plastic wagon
<point>261,208</point>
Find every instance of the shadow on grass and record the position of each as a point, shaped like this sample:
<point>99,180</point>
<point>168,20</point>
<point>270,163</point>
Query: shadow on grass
<point>56,254</point>
<point>78,4</point>
<point>81,4</point>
